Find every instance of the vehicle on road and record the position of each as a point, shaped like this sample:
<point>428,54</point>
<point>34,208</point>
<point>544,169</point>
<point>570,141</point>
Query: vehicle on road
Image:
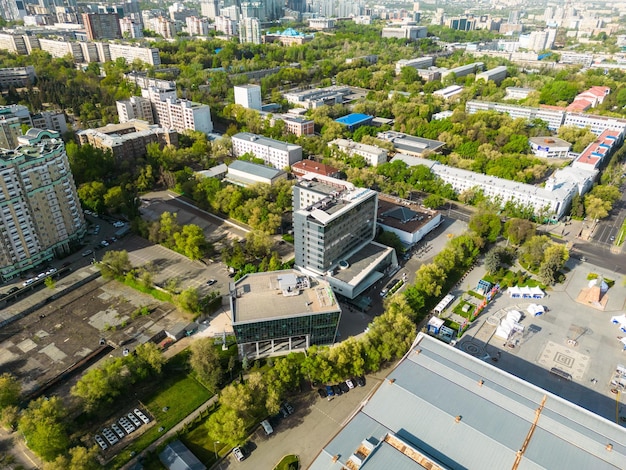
<point>210,282</point>
<point>87,253</point>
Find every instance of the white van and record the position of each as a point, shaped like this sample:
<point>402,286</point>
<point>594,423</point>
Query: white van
<point>267,426</point>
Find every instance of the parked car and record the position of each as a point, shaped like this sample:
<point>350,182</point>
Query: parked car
<point>322,392</point>
<point>13,290</point>
<point>329,391</point>
<point>210,282</point>
<point>238,453</point>
<point>87,253</point>
<point>350,383</point>
<point>344,387</point>
<point>360,381</point>
<point>267,427</point>
<point>287,406</point>
<point>337,390</point>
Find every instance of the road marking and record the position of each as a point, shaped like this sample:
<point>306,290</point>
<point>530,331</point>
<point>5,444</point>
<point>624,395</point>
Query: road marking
<point>327,415</point>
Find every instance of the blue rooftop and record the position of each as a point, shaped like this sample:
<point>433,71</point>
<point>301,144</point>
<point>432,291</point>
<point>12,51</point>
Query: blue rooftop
<point>354,119</point>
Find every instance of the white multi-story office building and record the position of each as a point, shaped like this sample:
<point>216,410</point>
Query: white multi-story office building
<point>554,199</point>
<point>317,97</point>
<point>273,152</point>
<point>496,74</point>
<point>248,96</point>
<point>597,124</point>
<point>553,117</point>
<point>334,226</point>
<point>463,70</point>
<point>40,213</point>
<point>183,115</point>
<point>373,155</point>
<point>417,63</point>
<point>135,108</point>
<point>449,92</point>
<point>17,76</point>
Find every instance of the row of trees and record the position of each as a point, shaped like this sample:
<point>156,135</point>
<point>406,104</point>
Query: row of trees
<point>187,239</point>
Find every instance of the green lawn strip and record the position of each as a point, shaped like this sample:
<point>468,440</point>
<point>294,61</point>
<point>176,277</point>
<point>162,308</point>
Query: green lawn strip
<point>182,395</point>
<point>459,309</point>
<point>288,462</point>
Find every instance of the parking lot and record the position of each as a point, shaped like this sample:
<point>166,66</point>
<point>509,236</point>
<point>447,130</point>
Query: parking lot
<point>314,422</point>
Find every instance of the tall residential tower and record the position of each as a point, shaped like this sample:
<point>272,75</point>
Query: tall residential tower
<point>40,214</point>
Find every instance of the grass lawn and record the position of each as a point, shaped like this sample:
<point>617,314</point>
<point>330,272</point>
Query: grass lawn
<point>459,309</point>
<point>181,394</point>
<point>289,462</point>
<point>197,440</point>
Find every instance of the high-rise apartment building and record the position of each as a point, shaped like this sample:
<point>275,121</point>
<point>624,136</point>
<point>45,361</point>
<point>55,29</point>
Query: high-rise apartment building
<point>250,30</point>
<point>10,130</point>
<point>248,96</point>
<point>210,8</point>
<point>131,28</point>
<point>40,214</point>
<point>102,26</point>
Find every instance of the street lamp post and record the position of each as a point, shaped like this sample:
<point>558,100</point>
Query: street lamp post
<point>215,443</point>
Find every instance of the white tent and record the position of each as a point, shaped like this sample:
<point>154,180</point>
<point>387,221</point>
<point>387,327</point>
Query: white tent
<point>620,321</point>
<point>509,324</point>
<point>536,310</point>
<point>526,292</point>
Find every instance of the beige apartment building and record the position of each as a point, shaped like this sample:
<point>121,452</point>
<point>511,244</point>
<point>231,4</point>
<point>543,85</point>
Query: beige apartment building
<point>40,214</point>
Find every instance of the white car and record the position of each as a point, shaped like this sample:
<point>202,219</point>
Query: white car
<point>349,383</point>
<point>103,445</point>
<point>141,415</point>
<point>238,454</point>
<point>118,224</point>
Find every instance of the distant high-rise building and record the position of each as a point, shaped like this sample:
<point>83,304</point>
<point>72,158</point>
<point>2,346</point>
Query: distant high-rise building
<point>12,10</point>
<point>131,28</point>
<point>250,30</point>
<point>102,26</point>
<point>248,96</point>
<point>210,8</point>
<point>197,26</point>
<point>40,214</point>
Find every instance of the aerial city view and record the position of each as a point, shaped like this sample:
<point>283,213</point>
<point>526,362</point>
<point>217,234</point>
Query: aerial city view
<point>312,234</point>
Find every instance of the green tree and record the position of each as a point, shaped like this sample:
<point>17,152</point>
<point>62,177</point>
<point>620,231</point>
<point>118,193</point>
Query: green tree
<point>205,362</point>
<point>554,259</point>
<point>10,390</point>
<point>227,427</point>
<point>190,241</point>
<point>433,201</point>
<point>596,208</point>
<point>189,300</point>
<point>44,428</point>
<point>150,354</point>
<point>115,264</point>
<point>517,231</point>
<point>487,225</point>
<point>92,195</point>
<point>389,238</point>
<point>430,279</point>
<point>496,258</point>
<point>532,251</point>
<point>78,458</point>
